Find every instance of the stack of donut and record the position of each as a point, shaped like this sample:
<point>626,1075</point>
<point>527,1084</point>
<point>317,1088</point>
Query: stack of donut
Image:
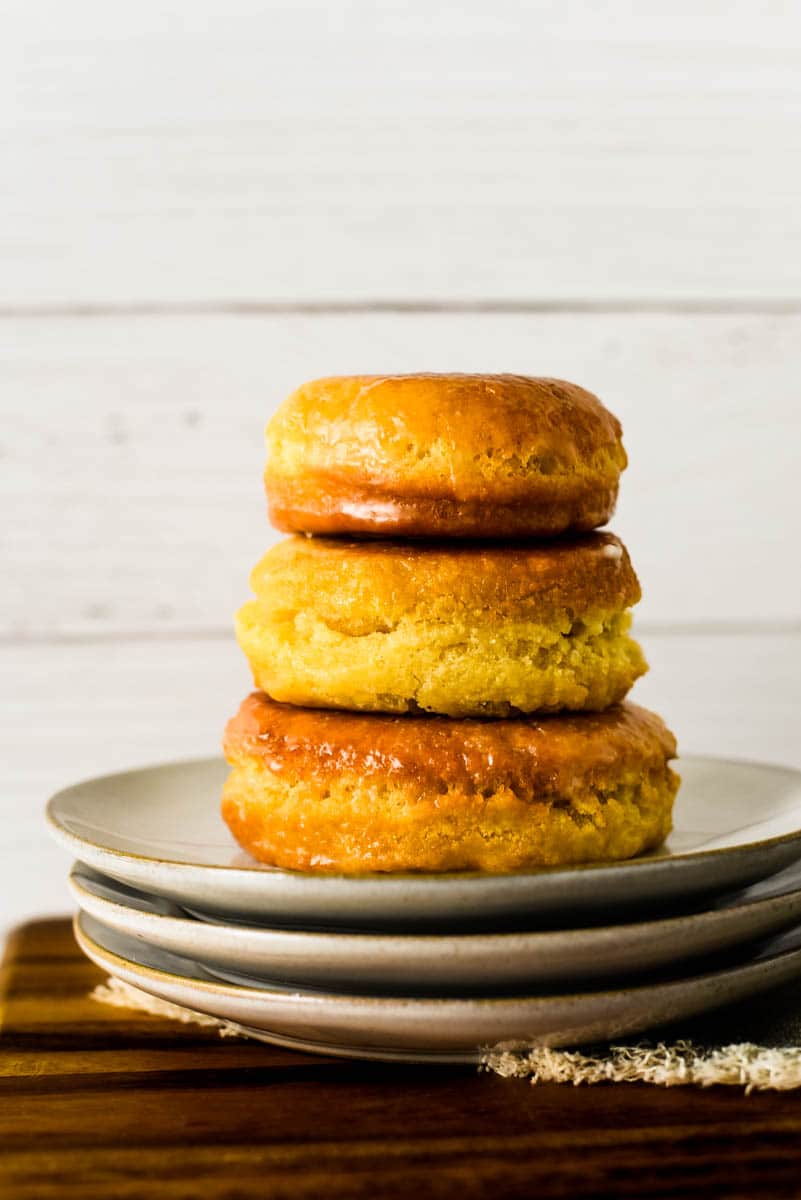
<point>441,645</point>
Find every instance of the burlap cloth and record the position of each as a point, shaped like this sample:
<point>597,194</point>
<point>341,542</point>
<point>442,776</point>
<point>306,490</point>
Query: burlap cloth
<point>755,1045</point>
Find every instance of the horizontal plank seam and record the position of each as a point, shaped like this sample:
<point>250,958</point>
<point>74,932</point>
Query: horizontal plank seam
<point>225,633</point>
<point>688,1136</point>
<point>445,306</point>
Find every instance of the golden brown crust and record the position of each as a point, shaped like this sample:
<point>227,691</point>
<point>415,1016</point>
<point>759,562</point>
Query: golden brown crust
<point>324,790</point>
<point>359,587</point>
<point>464,629</point>
<point>442,456</point>
<point>532,756</point>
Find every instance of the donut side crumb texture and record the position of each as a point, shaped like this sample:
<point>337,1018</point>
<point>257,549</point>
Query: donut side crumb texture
<point>455,669</point>
<point>484,631</point>
<point>456,455</point>
<point>356,827</point>
<point>327,792</point>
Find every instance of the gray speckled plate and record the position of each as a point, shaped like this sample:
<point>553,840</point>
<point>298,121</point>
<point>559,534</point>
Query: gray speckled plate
<point>446,962</point>
<point>159,829</point>
<point>432,1029</point>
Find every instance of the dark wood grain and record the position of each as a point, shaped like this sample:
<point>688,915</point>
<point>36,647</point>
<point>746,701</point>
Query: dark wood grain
<point>98,1101</point>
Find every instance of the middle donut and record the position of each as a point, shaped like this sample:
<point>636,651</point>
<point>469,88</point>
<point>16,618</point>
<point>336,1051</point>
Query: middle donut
<point>470,629</point>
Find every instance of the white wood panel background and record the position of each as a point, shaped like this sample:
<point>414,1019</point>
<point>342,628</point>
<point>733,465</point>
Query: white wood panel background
<point>165,153</point>
<point>204,204</point>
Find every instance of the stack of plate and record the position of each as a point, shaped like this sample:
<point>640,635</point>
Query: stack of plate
<point>437,967</point>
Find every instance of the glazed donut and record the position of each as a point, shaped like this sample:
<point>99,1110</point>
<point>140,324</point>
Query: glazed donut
<point>464,629</point>
<point>343,792</point>
<point>457,456</point>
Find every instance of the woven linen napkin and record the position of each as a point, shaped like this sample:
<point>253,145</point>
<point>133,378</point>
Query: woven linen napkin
<point>755,1044</point>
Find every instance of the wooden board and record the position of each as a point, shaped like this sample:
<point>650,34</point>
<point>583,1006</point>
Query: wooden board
<point>101,1102</point>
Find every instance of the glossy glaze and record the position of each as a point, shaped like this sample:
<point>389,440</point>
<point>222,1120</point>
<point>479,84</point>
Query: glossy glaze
<point>442,455</point>
<point>359,587</point>
<point>530,756</point>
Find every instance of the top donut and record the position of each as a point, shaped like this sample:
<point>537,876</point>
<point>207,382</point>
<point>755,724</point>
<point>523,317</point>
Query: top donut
<point>474,456</point>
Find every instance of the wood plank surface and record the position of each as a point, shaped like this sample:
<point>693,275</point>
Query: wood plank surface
<point>101,1102</point>
<point>132,453</point>
<point>293,151</point>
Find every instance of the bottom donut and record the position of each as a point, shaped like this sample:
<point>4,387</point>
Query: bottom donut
<point>334,791</point>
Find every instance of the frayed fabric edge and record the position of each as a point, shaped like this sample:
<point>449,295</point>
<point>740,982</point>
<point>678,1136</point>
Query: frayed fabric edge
<point>124,995</point>
<point>681,1064</point>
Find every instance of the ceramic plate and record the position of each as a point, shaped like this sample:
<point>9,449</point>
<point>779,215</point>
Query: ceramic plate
<point>432,1029</point>
<point>159,829</point>
<point>447,962</point>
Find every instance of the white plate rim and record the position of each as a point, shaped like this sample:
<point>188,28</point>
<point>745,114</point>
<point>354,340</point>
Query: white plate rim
<point>653,862</point>
<point>317,998</point>
<point>437,1029</point>
<point>428,945</point>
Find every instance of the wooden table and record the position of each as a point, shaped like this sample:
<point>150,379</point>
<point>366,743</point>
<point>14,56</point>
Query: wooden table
<point>98,1101</point>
